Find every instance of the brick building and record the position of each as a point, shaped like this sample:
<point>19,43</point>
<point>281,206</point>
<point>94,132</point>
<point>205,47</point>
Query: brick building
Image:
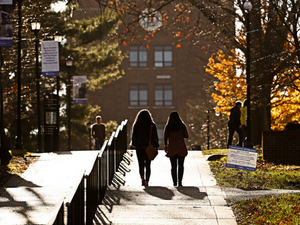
<point>160,78</point>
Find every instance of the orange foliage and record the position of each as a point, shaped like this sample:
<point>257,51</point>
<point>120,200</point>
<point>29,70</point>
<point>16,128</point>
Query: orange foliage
<point>229,87</point>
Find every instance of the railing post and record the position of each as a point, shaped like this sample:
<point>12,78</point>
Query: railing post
<point>92,193</point>
<point>110,149</point>
<point>103,177</point>
<point>76,206</point>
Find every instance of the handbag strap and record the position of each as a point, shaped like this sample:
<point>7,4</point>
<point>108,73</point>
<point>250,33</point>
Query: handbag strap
<point>150,135</point>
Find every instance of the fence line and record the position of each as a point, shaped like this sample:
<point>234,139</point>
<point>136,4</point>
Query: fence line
<point>82,206</point>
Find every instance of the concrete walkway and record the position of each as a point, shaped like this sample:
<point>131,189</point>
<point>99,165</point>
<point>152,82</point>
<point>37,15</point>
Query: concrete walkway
<point>199,201</point>
<point>32,198</point>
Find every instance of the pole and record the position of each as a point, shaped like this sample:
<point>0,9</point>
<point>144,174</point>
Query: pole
<point>249,142</point>
<point>207,130</point>
<point>69,109</point>
<point>57,112</point>
<point>1,107</point>
<point>19,141</point>
<point>90,142</point>
<point>38,91</point>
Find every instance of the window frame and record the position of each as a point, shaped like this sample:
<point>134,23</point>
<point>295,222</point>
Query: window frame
<point>139,63</point>
<point>139,101</point>
<point>163,100</point>
<point>163,49</point>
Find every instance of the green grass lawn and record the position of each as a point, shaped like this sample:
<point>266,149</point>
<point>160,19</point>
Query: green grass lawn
<point>281,209</point>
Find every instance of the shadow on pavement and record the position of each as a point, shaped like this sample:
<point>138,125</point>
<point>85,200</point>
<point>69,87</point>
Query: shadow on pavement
<point>101,218</point>
<point>192,192</point>
<point>160,192</point>
<point>14,189</point>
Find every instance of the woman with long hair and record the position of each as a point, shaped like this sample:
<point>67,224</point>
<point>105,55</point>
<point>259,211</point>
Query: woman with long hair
<point>141,128</point>
<point>174,134</point>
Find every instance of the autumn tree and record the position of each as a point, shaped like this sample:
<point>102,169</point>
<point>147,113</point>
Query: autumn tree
<point>229,86</point>
<point>272,24</point>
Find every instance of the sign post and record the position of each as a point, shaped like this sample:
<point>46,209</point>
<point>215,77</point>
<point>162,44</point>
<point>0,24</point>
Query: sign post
<point>242,158</point>
<point>50,123</point>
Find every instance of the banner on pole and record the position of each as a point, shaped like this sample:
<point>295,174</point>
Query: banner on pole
<point>79,89</point>
<point>50,58</point>
<point>242,158</point>
<point>6,25</point>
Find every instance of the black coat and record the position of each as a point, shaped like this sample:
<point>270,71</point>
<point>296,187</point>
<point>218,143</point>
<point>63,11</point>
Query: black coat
<point>235,117</point>
<point>141,136</point>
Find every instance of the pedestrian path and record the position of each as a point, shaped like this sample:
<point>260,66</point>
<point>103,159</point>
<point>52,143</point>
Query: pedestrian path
<point>32,198</point>
<point>199,201</point>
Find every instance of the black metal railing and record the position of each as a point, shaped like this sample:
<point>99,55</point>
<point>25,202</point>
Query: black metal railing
<point>83,201</point>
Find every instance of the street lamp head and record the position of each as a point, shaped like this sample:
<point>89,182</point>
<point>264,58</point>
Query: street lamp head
<point>69,61</point>
<point>58,36</point>
<point>35,24</point>
<point>248,5</point>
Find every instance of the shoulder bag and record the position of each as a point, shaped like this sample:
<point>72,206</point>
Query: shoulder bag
<point>150,150</point>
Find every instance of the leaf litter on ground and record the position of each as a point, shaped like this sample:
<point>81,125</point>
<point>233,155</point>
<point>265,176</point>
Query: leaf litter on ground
<point>277,209</point>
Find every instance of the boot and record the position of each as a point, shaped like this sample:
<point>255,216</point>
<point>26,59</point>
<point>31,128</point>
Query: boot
<point>174,176</point>
<point>180,175</point>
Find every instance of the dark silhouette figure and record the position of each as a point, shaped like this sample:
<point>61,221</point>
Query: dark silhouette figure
<point>140,140</point>
<point>174,134</point>
<point>234,124</point>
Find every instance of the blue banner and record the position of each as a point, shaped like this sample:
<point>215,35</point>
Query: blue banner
<point>6,25</point>
<point>50,58</point>
<point>79,90</point>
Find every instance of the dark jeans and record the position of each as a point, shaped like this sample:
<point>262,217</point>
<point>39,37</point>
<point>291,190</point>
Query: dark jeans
<point>244,129</point>
<point>231,133</point>
<point>98,144</point>
<point>144,163</point>
<point>177,164</point>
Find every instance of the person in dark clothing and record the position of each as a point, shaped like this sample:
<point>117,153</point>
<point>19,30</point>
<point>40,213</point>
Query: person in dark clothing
<point>234,124</point>
<point>98,133</point>
<point>174,134</point>
<point>140,140</point>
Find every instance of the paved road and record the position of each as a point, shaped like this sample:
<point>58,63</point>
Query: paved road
<point>199,201</point>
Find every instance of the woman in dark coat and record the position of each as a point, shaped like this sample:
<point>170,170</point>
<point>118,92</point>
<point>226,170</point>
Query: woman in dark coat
<point>174,134</point>
<point>140,140</point>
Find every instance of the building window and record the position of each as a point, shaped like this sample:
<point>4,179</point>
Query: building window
<point>138,95</point>
<point>163,56</point>
<point>163,95</point>
<point>137,56</point>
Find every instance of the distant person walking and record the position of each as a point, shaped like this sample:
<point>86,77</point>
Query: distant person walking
<point>98,133</point>
<point>234,124</point>
<point>174,134</point>
<point>140,140</point>
<point>244,122</point>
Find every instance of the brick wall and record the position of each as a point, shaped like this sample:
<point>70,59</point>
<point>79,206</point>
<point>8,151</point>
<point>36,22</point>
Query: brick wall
<point>282,147</point>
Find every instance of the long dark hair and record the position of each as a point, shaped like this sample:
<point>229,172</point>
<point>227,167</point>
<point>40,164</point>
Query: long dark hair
<point>142,119</point>
<point>174,122</point>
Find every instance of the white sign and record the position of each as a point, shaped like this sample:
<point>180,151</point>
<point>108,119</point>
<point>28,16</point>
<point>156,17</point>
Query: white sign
<point>79,89</point>
<point>6,23</point>
<point>242,158</point>
<point>50,58</point>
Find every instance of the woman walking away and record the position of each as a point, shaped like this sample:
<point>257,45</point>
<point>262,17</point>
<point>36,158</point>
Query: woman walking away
<point>175,132</point>
<point>141,128</point>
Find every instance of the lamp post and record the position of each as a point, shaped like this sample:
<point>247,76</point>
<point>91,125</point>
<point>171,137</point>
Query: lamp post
<point>89,125</point>
<point>57,37</point>
<point>207,112</point>
<point>69,64</point>
<point>19,139</point>
<point>248,7</point>
<point>36,26</point>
